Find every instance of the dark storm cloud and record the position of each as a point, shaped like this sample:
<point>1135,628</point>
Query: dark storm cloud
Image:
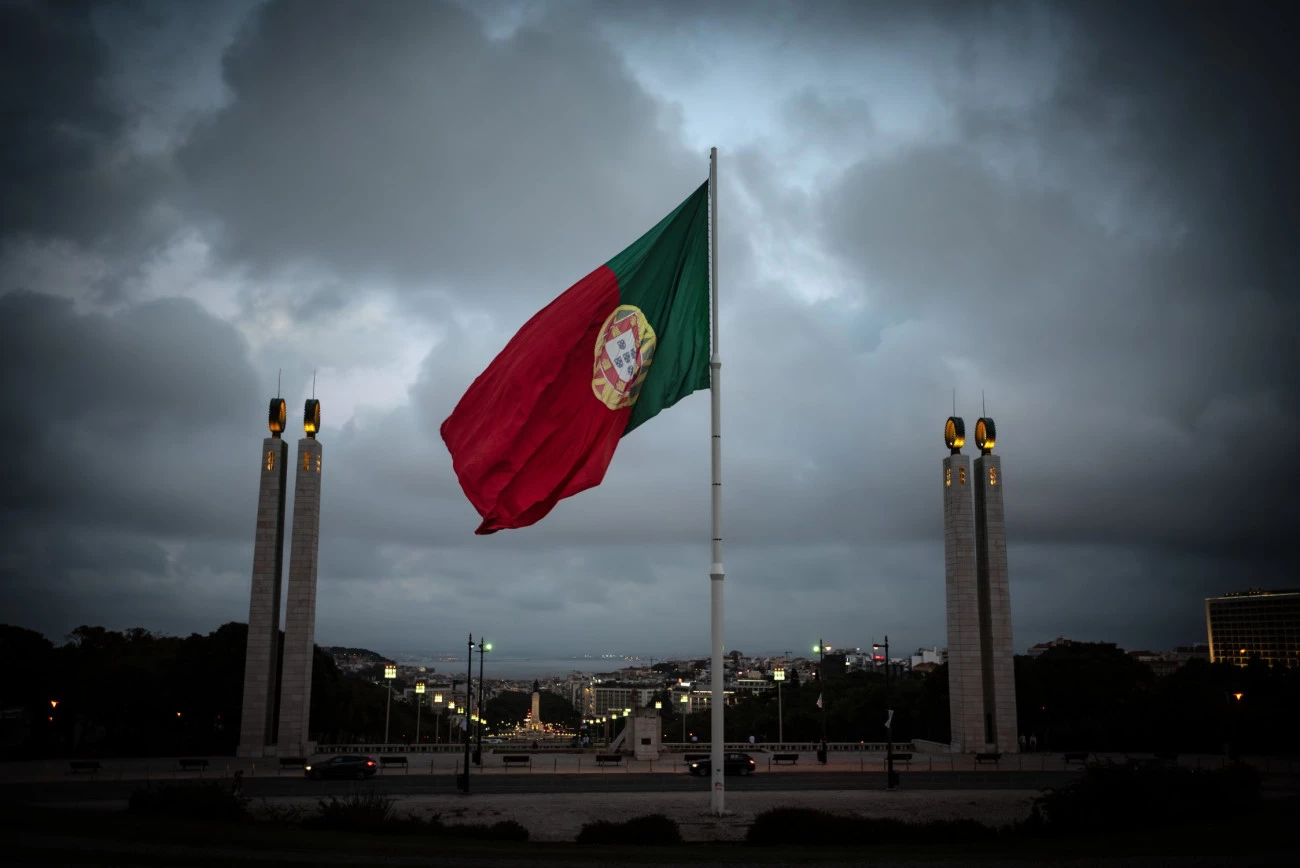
<point>397,140</point>
<point>1155,347</point>
<point>62,171</point>
<point>1101,251</point>
<point>120,439</point>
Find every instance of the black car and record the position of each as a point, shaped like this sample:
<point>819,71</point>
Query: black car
<point>733,763</point>
<point>342,766</point>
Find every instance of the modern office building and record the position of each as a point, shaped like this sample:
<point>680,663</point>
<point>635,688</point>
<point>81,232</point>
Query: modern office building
<point>1255,623</point>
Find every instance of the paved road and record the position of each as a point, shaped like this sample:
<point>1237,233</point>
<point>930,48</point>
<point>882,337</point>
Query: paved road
<point>90,790</point>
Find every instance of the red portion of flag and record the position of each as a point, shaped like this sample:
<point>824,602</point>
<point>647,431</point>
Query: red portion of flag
<point>530,431</point>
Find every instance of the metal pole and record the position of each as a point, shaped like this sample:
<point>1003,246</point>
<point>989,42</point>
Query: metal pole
<point>780,716</point>
<point>889,727</point>
<point>388,708</point>
<point>478,751</point>
<point>821,681</point>
<point>419,706</point>
<point>469,690</point>
<point>716,571</point>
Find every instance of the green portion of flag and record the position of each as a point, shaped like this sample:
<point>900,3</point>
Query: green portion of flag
<point>666,274</point>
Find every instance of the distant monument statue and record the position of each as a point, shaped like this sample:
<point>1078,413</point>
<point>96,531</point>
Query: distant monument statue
<point>535,720</point>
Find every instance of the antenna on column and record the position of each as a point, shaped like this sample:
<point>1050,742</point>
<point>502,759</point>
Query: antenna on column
<point>277,381</point>
<point>983,412</point>
<point>313,385</point>
<point>954,401</point>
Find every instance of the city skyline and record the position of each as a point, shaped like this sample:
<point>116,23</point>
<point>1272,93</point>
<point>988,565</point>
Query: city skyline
<point>1074,211</point>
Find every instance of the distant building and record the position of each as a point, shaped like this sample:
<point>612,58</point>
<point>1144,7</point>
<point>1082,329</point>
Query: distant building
<point>753,686</point>
<point>1037,650</point>
<point>928,657</point>
<point>1169,662</point>
<point>1254,623</point>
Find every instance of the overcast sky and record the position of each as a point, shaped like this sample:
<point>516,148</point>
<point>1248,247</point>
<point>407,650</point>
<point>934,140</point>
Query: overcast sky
<point>1086,211</point>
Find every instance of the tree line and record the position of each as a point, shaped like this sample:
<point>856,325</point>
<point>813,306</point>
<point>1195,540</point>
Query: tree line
<point>138,693</point>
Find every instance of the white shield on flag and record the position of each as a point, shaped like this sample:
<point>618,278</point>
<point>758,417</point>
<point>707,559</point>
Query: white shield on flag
<point>621,349</point>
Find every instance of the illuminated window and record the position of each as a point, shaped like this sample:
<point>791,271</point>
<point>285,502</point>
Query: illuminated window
<point>270,460</point>
<point>961,475</point>
<point>318,464</point>
<point>993,476</point>
<point>306,461</point>
<point>947,477</point>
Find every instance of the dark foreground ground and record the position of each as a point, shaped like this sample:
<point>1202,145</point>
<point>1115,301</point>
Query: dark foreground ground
<point>47,836</point>
<point>84,789</point>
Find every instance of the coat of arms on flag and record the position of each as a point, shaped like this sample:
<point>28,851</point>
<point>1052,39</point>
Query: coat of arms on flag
<point>624,350</point>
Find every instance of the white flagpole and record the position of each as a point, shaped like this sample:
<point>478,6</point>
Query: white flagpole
<point>716,573</point>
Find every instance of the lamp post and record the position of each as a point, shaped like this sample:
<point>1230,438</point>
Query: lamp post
<point>778,675</point>
<point>686,702</point>
<point>390,672</point>
<point>820,650</point>
<point>419,705</point>
<point>890,780</point>
<point>469,691</point>
<point>483,648</point>
<point>437,716</point>
<point>451,708</point>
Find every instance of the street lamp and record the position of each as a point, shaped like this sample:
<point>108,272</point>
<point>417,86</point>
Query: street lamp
<point>686,701</point>
<point>820,650</point>
<point>778,675</point>
<point>469,695</point>
<point>451,710</point>
<point>437,716</point>
<point>419,706</point>
<point>483,648</point>
<point>891,780</point>
<point>390,672</point>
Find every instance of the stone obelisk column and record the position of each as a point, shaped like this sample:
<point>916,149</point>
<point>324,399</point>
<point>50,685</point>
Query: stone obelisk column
<point>965,674</point>
<point>997,652</point>
<point>257,716</point>
<point>300,617</point>
<point>537,705</point>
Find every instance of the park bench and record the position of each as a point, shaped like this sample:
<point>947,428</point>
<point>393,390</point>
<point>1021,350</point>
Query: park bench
<point>517,759</point>
<point>987,758</point>
<point>785,757</point>
<point>392,761</point>
<point>292,762</point>
<point>1075,756</point>
<point>188,763</point>
<point>84,766</point>
<point>603,758</point>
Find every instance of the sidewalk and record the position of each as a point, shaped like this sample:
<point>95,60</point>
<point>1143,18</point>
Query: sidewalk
<point>168,768</point>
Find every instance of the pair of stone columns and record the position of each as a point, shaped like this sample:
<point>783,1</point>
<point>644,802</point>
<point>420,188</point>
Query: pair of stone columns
<point>981,658</point>
<point>257,734</point>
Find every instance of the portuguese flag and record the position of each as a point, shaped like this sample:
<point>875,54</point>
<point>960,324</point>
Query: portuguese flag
<point>631,338</point>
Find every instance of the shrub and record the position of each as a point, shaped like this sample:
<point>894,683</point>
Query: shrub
<point>1113,798</point>
<point>358,812</point>
<point>205,801</point>
<point>808,827</point>
<point>652,830</point>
